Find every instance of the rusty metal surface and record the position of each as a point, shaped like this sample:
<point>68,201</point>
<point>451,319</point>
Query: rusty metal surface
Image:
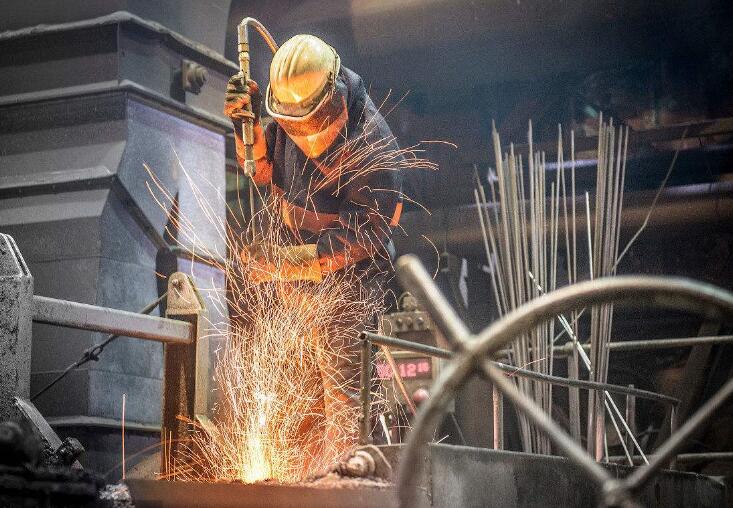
<point>42,428</point>
<point>160,494</point>
<point>186,371</point>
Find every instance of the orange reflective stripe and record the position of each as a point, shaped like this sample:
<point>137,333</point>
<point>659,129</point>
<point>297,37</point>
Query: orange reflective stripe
<point>353,254</point>
<point>397,214</point>
<point>299,218</point>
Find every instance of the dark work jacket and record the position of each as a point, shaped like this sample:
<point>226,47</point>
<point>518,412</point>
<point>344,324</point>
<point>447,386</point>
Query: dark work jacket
<point>349,214</point>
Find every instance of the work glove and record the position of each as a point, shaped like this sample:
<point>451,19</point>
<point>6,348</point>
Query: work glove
<point>268,262</point>
<point>238,96</point>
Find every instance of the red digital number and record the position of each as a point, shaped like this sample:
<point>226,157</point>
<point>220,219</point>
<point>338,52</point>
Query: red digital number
<point>411,369</point>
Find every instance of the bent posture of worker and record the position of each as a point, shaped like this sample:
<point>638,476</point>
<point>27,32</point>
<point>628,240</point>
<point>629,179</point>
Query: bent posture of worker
<point>326,130</point>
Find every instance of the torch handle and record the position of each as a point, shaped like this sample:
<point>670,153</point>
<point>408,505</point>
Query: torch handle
<point>248,120</point>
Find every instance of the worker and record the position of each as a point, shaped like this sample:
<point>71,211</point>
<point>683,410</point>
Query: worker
<point>326,130</point>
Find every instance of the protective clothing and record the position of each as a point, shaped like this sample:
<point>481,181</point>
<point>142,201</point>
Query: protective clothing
<point>275,263</point>
<point>331,200</point>
<point>336,170</point>
<point>303,96</point>
<point>236,98</point>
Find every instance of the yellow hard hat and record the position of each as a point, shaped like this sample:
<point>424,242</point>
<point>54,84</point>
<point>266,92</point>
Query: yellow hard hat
<point>302,72</point>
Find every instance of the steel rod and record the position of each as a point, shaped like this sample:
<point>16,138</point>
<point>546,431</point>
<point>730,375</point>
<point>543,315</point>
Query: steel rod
<point>498,417</point>
<point>566,349</point>
<point>682,458</point>
<point>543,422</point>
<point>640,477</point>
<point>518,371</point>
<point>103,319</point>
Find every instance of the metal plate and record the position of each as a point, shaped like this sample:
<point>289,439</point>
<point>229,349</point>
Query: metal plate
<point>162,494</point>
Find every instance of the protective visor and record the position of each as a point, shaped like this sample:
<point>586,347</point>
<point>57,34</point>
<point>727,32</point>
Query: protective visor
<point>329,109</point>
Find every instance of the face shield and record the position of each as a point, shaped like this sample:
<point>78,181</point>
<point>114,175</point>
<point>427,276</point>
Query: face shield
<point>313,127</point>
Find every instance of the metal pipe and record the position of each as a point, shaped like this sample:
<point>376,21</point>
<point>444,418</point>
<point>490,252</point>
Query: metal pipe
<point>102,319</point>
<point>518,371</point>
<point>637,479</point>
<point>641,345</point>
<point>646,345</point>
<point>713,205</point>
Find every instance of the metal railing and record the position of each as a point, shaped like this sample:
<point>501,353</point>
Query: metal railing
<point>370,338</point>
<point>473,354</point>
<point>186,347</point>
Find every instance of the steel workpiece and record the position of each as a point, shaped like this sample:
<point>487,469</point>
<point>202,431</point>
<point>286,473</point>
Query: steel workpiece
<point>102,319</point>
<point>473,354</point>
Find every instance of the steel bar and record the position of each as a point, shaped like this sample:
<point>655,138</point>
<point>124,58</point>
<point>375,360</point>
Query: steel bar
<point>639,345</point>
<point>518,371</point>
<point>682,458</point>
<point>640,477</point>
<point>92,353</point>
<point>102,319</point>
<point>574,397</point>
<point>651,344</point>
<point>365,389</point>
<point>631,417</point>
<point>534,413</point>
<point>497,400</point>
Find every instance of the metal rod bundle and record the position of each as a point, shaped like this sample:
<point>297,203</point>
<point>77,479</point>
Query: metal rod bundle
<point>521,242</point>
<point>521,239</point>
<point>610,175</point>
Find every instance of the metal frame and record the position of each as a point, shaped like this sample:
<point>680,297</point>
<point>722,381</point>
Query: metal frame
<point>186,354</point>
<point>473,353</point>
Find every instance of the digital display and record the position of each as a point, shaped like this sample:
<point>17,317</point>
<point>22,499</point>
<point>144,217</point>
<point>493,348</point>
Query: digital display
<point>409,368</point>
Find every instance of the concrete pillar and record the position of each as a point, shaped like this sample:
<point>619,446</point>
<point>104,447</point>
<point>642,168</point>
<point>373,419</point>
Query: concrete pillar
<point>16,304</point>
<point>91,91</point>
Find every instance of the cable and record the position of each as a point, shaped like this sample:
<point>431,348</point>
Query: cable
<point>92,354</point>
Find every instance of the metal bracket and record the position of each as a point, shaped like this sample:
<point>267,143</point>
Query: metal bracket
<point>193,76</point>
<point>58,452</point>
<point>186,366</point>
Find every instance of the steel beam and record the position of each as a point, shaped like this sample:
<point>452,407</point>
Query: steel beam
<point>186,370</point>
<point>102,319</point>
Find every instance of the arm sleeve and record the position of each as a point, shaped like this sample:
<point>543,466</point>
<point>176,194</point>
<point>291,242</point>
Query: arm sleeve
<point>369,212</point>
<point>263,149</point>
